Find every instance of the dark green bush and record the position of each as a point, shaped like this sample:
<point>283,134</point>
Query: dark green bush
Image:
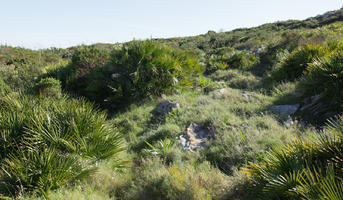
<point>295,64</point>
<point>326,75</point>
<point>303,169</point>
<point>46,143</point>
<point>147,68</point>
<point>86,58</point>
<point>241,60</point>
<point>49,87</point>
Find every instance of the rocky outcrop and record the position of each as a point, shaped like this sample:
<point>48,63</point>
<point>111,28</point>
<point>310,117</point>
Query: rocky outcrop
<point>194,137</point>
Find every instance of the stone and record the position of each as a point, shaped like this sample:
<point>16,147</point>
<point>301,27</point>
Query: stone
<point>116,75</point>
<point>289,122</point>
<point>248,95</point>
<point>194,137</point>
<point>165,107</point>
<point>285,109</point>
<point>221,91</point>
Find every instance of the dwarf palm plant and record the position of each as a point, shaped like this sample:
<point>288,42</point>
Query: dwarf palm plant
<point>303,168</point>
<point>47,144</point>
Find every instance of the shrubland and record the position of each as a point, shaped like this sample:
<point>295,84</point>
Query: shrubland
<point>81,122</point>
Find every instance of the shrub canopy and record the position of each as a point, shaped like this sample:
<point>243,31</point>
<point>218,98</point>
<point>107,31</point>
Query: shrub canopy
<point>147,68</point>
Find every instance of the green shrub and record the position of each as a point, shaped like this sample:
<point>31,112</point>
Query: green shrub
<point>86,58</point>
<point>295,64</point>
<point>147,68</point>
<point>240,60</point>
<point>86,74</point>
<point>46,144</point>
<point>207,85</point>
<point>326,75</point>
<point>20,78</point>
<point>303,169</point>
<point>49,87</point>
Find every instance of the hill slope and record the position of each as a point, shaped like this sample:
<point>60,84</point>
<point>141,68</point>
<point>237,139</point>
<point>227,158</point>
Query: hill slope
<point>187,118</point>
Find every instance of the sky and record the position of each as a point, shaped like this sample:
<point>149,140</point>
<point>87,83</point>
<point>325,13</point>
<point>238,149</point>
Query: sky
<point>40,24</point>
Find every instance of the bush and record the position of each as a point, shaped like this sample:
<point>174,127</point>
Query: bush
<point>49,87</point>
<point>326,75</point>
<point>146,68</point>
<point>295,64</point>
<point>303,169</point>
<point>20,78</point>
<point>46,144</point>
<point>241,60</point>
<point>86,74</point>
<point>86,58</point>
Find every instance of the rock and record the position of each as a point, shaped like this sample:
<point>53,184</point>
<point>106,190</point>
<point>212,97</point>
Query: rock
<point>195,137</point>
<point>116,75</point>
<point>248,95</point>
<point>285,109</point>
<point>221,91</point>
<point>165,107</point>
<point>289,122</point>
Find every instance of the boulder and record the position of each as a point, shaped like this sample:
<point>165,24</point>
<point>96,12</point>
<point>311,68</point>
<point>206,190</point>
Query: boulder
<point>195,137</point>
<point>165,107</point>
<point>285,109</point>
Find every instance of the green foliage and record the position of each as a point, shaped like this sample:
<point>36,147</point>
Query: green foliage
<point>86,58</point>
<point>237,78</point>
<point>241,60</point>
<point>19,68</point>
<point>154,180</point>
<point>4,88</point>
<point>146,68</point>
<point>326,75</point>
<point>47,143</point>
<point>164,148</point>
<point>207,85</point>
<point>49,87</point>
<point>295,64</point>
<point>42,169</point>
<point>312,170</point>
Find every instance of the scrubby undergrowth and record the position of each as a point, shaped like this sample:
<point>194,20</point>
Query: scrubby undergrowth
<point>58,141</point>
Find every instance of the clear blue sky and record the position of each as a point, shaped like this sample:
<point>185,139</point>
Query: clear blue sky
<point>62,23</point>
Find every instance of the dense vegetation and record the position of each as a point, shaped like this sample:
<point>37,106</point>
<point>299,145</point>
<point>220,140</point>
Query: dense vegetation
<point>83,122</point>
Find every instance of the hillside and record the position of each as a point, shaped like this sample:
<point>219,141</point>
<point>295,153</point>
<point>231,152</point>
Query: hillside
<point>253,113</point>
